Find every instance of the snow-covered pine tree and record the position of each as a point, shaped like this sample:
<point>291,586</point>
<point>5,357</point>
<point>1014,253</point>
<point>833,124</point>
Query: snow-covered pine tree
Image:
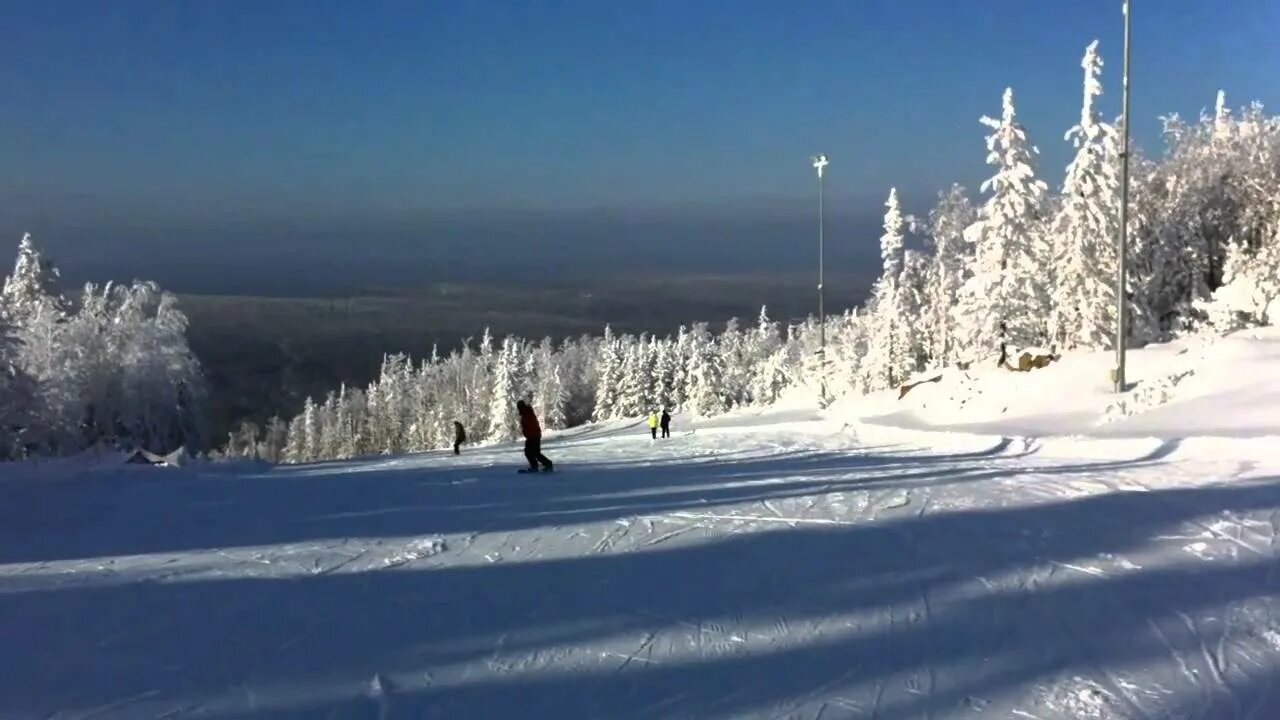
<point>1222,126</point>
<point>1084,231</point>
<point>578,373</point>
<point>735,359</point>
<point>681,356</point>
<point>504,421</point>
<point>373,440</point>
<point>549,397</point>
<point>329,434</point>
<point>311,432</point>
<point>295,450</point>
<point>633,384</point>
<point>553,400</point>
<point>706,374</point>
<point>912,289</point>
<point>345,445</point>
<point>17,394</point>
<point>478,392</point>
<point>766,377</point>
<point>609,372</point>
<point>275,438</point>
<point>31,289</point>
<point>949,268</point>
<point>890,347</point>
<point>1006,301</point>
<point>667,368</point>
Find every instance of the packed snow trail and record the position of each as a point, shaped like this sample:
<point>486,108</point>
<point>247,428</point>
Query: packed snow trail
<point>768,566</point>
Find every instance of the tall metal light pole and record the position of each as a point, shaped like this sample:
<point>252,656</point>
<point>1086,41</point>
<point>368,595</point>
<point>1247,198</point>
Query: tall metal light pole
<point>820,162</point>
<point>1123,241</point>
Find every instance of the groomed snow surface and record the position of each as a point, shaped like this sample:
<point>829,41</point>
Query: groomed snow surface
<point>777,564</point>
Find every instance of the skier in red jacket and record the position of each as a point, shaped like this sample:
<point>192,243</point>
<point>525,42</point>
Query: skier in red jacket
<point>532,438</point>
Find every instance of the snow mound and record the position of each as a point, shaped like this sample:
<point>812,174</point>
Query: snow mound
<point>415,550</point>
<point>1197,387</point>
<point>1145,398</point>
<point>1085,700</point>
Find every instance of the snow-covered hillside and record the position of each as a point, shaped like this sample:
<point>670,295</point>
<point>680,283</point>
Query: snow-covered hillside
<point>788,563</point>
<point>1203,385</point>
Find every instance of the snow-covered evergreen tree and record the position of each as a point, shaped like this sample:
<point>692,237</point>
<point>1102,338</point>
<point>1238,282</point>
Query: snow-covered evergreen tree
<point>504,421</point>
<point>1085,229</point>
<point>889,352</point>
<point>275,439</point>
<point>949,269</point>
<point>767,365</point>
<point>633,391</point>
<point>311,432</point>
<point>30,289</point>
<point>1005,301</point>
<point>17,395</point>
<point>609,373</point>
<point>706,374</point>
<point>912,298</point>
<point>549,396</point>
<point>329,433</point>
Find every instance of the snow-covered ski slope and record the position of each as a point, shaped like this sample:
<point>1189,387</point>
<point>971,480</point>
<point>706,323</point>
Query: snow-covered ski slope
<point>766,565</point>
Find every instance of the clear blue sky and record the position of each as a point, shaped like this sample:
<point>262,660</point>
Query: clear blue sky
<point>180,113</point>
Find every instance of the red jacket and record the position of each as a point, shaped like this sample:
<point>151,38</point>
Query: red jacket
<point>529,424</point>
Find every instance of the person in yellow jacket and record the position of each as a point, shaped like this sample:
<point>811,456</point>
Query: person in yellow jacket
<point>653,425</point>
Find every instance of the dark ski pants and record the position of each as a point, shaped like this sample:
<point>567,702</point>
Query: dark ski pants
<point>533,453</point>
<point>654,432</point>
<point>666,431</point>
<point>457,448</point>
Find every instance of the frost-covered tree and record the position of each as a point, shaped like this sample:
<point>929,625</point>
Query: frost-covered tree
<point>1084,231</point>
<point>1250,289</point>
<point>767,376</point>
<point>706,374</point>
<point>17,395</point>
<point>636,381</point>
<point>577,362</point>
<point>119,371</point>
<point>912,297</point>
<point>274,441</point>
<point>504,422</point>
<point>609,375</point>
<point>889,351</point>
<point>1005,301</point>
<point>949,269</point>
<point>30,289</point>
<point>311,432</point>
<point>549,395</point>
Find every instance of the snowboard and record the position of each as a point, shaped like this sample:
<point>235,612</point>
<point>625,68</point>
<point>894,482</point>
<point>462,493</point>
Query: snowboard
<point>524,471</point>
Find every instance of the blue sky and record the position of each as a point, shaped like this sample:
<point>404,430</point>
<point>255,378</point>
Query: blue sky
<point>159,114</point>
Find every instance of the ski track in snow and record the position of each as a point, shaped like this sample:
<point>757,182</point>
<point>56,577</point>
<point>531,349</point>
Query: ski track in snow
<point>758,568</point>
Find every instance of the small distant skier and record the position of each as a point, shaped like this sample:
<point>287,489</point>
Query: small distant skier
<point>653,425</point>
<point>459,437</point>
<point>532,432</point>
<point>666,423</point>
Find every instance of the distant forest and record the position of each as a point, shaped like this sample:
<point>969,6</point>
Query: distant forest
<point>263,356</point>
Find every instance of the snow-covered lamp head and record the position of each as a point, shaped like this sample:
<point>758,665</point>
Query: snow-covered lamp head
<point>819,162</point>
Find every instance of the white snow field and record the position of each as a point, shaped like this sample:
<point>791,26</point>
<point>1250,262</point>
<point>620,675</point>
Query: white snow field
<point>781,564</point>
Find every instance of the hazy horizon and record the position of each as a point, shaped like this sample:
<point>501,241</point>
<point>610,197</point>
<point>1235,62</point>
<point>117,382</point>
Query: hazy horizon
<point>328,256</point>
